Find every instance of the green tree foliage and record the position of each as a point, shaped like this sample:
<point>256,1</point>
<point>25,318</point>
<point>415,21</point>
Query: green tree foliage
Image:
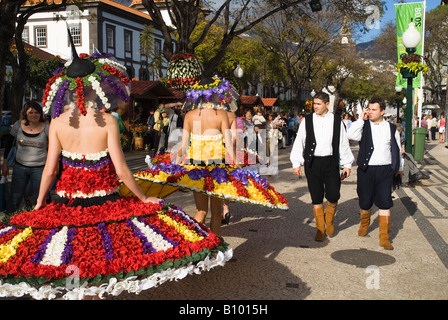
<point>436,54</point>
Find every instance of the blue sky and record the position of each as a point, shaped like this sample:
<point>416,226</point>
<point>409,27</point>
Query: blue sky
<point>390,16</point>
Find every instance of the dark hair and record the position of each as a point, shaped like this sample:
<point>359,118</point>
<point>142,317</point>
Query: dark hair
<point>248,110</point>
<point>379,101</point>
<point>32,105</point>
<point>322,96</point>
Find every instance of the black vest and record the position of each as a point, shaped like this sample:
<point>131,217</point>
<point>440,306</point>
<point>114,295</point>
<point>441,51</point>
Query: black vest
<point>310,141</point>
<point>366,147</point>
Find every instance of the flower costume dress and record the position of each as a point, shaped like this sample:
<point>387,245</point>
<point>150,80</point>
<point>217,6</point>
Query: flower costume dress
<point>205,169</point>
<point>92,241</point>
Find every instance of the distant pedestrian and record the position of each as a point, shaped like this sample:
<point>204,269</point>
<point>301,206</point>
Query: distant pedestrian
<point>432,124</point>
<point>442,128</point>
<point>347,121</point>
<point>379,159</point>
<point>322,146</point>
<point>425,125</point>
<point>292,126</point>
<point>249,134</point>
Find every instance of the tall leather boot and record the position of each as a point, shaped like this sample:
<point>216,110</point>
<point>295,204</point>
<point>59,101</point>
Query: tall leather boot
<point>330,210</point>
<point>320,223</point>
<point>384,224</point>
<point>365,222</point>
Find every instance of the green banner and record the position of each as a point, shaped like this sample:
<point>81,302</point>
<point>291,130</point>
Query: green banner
<point>404,12</point>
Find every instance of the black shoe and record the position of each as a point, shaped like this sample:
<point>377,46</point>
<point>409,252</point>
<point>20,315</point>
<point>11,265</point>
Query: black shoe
<point>226,219</point>
<point>420,175</point>
<point>408,185</point>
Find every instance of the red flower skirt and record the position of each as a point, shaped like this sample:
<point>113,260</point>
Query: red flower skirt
<point>119,242</point>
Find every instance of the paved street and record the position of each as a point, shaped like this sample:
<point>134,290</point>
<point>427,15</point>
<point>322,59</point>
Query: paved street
<point>276,257</point>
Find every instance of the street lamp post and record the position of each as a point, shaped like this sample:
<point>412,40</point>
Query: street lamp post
<point>398,102</point>
<point>411,38</point>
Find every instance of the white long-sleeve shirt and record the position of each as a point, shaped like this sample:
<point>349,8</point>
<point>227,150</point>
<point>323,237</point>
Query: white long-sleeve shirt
<point>323,132</point>
<point>381,137</point>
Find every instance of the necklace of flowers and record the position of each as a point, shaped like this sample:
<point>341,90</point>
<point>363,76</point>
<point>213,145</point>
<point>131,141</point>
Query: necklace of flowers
<point>105,71</point>
<point>219,86</point>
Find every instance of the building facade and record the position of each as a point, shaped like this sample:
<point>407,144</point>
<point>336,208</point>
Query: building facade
<point>102,25</point>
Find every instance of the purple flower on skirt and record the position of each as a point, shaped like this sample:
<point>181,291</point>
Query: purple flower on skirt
<point>240,175</point>
<point>219,175</point>
<point>197,174</point>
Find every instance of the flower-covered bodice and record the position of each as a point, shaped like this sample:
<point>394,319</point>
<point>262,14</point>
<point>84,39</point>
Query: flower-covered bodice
<point>206,148</point>
<point>87,175</point>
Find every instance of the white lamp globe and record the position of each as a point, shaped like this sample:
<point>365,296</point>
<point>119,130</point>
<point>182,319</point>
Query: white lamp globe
<point>238,72</point>
<point>411,37</point>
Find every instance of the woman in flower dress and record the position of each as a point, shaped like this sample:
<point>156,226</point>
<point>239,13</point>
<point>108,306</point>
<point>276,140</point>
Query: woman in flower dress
<point>202,166</point>
<point>207,127</point>
<point>91,241</point>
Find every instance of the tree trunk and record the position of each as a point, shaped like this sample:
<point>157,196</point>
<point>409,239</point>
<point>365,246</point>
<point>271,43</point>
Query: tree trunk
<point>9,10</point>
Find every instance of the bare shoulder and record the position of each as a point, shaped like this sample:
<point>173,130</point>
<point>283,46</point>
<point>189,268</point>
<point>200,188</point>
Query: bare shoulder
<point>223,113</point>
<point>58,122</point>
<point>109,117</point>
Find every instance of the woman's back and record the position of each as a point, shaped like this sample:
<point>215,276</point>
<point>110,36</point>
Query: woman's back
<point>83,134</point>
<point>206,121</point>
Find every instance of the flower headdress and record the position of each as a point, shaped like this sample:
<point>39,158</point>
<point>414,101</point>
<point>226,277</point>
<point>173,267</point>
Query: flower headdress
<point>213,93</point>
<point>106,77</point>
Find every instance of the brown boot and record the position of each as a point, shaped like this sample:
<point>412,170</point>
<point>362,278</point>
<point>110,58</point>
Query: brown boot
<point>384,223</point>
<point>365,222</point>
<point>320,223</point>
<point>330,210</point>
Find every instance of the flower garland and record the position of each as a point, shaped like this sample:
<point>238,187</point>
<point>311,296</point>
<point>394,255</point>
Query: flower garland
<point>177,240</point>
<point>105,72</point>
<point>219,86</point>
<point>225,181</point>
<point>59,104</point>
<point>184,70</point>
<point>80,94</point>
<point>87,161</point>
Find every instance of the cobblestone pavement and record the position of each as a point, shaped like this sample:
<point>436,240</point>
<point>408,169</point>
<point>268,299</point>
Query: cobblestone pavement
<point>276,257</point>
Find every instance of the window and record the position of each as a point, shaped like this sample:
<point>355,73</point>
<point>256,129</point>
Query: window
<point>40,36</point>
<point>110,37</point>
<point>130,71</point>
<point>143,74</point>
<point>26,35</point>
<point>75,31</point>
<point>127,41</point>
<point>157,47</point>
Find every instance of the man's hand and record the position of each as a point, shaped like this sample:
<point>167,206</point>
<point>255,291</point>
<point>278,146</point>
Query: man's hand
<point>297,171</point>
<point>346,172</point>
<point>365,114</point>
